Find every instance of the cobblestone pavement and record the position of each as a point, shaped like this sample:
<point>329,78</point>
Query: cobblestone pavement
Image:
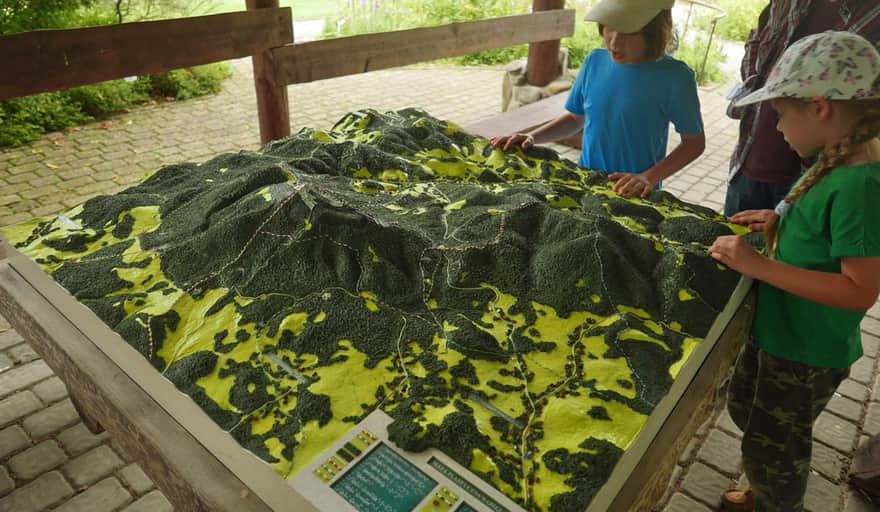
<point>50,461</point>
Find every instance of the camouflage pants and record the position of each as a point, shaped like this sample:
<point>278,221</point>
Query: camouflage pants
<point>775,402</point>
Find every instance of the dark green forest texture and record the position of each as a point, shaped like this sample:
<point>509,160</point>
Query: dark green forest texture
<point>506,308</point>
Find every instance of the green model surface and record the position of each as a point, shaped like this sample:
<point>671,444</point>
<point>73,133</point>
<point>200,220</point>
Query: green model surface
<point>508,309</point>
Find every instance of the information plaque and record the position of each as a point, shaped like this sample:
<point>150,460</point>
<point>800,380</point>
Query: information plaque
<point>365,472</point>
<point>383,481</point>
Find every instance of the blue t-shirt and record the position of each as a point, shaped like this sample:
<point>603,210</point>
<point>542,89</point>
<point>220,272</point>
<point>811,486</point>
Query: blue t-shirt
<point>628,108</point>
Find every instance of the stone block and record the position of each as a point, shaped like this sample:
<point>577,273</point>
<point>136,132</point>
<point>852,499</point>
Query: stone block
<point>39,495</point>
<point>856,503</point>
<point>844,407</point>
<point>822,495</point>
<point>827,462</point>
<point>852,389</point>
<point>6,482</point>
<point>874,312</point>
<point>153,502</point>
<point>17,406</point>
<point>22,353</point>
<point>108,494</point>
<point>682,503</point>
<point>875,391</point>
<point>863,370</point>
<point>725,423</point>
<point>690,451</point>
<point>835,432</point>
<point>22,377</point>
<point>527,94</point>
<point>135,478</point>
<point>78,439</point>
<point>705,484</point>
<point>92,466</point>
<point>9,338</point>
<point>871,325</point>
<point>37,460</point>
<point>872,419</point>
<point>51,390</point>
<point>672,484</point>
<point>6,362</point>
<point>51,419</point>
<point>722,452</point>
<point>12,439</point>
<point>870,344</point>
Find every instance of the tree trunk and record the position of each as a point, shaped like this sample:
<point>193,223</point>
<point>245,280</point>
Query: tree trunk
<point>543,62</point>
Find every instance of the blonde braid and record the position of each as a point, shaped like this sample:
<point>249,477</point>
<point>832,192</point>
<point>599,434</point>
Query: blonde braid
<point>868,128</point>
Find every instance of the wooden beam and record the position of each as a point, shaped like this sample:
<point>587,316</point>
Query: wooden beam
<point>273,106</point>
<point>49,60</point>
<point>543,62</point>
<point>317,60</point>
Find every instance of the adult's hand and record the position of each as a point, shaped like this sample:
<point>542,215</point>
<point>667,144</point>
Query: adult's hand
<point>629,184</point>
<point>756,220</point>
<point>505,142</point>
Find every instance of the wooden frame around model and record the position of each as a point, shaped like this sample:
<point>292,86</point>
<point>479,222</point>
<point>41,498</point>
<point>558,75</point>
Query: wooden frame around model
<point>201,467</point>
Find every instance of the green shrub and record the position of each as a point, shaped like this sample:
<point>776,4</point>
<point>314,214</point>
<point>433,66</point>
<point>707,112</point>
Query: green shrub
<point>742,17</point>
<point>23,15</point>
<point>405,14</point>
<point>110,96</point>
<point>585,39</point>
<point>182,84</point>
<point>693,51</point>
<point>27,118</point>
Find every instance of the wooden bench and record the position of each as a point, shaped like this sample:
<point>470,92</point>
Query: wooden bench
<point>521,119</point>
<point>525,118</point>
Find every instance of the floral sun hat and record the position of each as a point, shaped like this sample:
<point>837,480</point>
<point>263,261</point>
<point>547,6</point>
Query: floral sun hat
<point>833,65</point>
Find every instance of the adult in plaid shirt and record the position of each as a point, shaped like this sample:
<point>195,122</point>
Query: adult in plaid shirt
<point>763,166</point>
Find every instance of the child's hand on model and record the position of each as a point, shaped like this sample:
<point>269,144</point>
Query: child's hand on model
<point>754,219</point>
<point>631,184</point>
<point>737,254</point>
<point>523,140</point>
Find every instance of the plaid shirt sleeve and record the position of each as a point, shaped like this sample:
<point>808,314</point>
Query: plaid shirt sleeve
<point>766,44</point>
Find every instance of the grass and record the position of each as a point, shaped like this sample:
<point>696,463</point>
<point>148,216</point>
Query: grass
<point>742,17</point>
<point>302,9</point>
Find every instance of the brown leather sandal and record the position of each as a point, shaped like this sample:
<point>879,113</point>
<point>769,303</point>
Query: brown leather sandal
<point>738,500</point>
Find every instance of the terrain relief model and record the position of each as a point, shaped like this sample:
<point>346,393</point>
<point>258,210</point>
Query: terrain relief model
<point>507,309</point>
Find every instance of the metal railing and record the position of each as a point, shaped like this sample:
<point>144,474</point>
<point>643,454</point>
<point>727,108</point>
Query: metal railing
<point>714,21</point>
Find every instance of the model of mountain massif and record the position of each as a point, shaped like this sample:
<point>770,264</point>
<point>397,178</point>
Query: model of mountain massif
<point>508,309</point>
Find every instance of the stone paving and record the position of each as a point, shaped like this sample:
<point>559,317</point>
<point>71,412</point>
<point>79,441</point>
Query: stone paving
<point>50,461</point>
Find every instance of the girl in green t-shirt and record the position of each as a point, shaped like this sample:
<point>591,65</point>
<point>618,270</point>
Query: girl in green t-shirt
<point>823,271</point>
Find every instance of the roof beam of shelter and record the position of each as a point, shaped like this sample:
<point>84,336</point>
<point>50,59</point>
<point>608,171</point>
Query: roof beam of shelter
<point>318,60</point>
<point>49,60</point>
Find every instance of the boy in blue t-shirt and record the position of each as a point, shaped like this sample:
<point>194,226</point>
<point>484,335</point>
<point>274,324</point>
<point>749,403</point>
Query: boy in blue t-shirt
<point>624,98</point>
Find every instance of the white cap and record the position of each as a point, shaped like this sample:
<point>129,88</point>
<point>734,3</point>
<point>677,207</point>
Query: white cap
<point>627,16</point>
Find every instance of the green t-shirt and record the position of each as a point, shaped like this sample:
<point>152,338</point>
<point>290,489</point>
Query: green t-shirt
<point>839,216</point>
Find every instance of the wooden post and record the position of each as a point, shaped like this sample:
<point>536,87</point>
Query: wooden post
<point>544,55</point>
<point>273,108</point>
